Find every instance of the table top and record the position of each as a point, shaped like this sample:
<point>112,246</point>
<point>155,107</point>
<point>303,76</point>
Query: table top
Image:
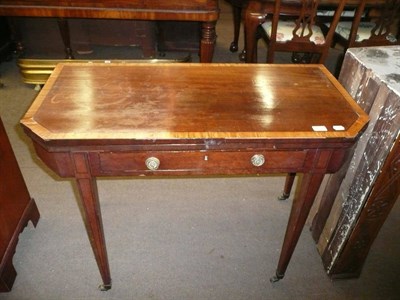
<point>193,101</point>
<point>204,10</point>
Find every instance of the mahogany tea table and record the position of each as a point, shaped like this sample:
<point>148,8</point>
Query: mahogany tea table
<point>93,120</point>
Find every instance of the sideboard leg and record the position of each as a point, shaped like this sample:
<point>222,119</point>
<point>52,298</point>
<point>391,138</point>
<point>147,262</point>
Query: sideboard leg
<point>16,36</point>
<point>298,215</point>
<point>64,31</point>
<point>207,43</point>
<point>92,216</point>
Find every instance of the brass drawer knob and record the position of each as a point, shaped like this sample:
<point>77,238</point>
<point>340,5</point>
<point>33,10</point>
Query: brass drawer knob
<point>152,163</point>
<point>258,160</point>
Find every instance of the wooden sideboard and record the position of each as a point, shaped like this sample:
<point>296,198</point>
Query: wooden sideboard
<point>358,198</point>
<point>39,37</point>
<point>16,209</point>
<point>204,11</point>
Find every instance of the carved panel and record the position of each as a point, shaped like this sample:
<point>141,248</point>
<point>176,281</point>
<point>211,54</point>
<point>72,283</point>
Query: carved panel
<point>362,200</point>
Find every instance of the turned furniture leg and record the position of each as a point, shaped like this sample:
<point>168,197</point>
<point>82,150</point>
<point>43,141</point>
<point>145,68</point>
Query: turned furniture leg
<point>64,31</point>
<point>298,215</point>
<point>207,43</point>
<point>288,186</point>
<point>92,215</point>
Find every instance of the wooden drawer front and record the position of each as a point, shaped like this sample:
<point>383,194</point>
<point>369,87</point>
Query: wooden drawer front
<point>196,162</point>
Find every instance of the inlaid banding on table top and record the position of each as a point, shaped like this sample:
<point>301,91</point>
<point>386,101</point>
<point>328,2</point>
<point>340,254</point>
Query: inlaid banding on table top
<point>192,101</point>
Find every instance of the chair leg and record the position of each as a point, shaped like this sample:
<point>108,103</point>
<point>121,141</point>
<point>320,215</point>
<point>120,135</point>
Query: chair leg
<point>237,18</point>
<point>270,56</point>
<point>270,53</point>
<point>288,186</point>
<point>242,55</point>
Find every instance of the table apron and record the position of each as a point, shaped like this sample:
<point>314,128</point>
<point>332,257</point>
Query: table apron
<point>112,13</point>
<point>195,162</point>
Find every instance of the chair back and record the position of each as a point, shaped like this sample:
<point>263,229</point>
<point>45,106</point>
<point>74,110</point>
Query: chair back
<point>304,12</point>
<point>382,18</point>
<point>306,35</point>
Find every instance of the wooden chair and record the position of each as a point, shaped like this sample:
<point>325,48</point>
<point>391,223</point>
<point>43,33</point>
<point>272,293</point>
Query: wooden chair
<point>377,30</point>
<point>374,24</point>
<point>292,26</point>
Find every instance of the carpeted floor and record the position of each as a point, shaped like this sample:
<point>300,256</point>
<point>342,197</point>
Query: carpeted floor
<point>203,238</point>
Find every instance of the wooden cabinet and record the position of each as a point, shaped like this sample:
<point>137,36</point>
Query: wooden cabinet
<point>16,209</point>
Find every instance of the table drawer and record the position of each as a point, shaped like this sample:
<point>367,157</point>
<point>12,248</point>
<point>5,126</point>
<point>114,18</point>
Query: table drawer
<point>196,162</point>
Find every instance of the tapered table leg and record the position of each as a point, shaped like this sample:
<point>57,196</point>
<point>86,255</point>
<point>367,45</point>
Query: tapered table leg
<point>300,208</point>
<point>288,186</point>
<point>92,216</point>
